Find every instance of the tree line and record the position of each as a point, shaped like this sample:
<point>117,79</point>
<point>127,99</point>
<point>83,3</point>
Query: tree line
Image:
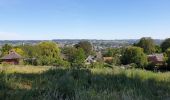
<point>49,53</point>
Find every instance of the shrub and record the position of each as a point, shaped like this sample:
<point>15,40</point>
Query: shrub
<point>134,55</point>
<point>150,66</point>
<point>97,65</point>
<point>61,63</point>
<point>133,65</point>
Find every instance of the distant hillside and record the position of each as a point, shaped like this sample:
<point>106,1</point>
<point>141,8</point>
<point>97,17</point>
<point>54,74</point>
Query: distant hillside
<point>74,41</point>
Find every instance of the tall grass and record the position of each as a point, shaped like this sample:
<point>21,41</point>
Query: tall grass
<point>83,84</point>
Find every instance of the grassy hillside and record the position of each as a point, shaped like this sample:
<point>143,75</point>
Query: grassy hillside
<point>48,83</point>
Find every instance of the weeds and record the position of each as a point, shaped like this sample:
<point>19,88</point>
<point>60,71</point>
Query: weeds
<point>84,84</point>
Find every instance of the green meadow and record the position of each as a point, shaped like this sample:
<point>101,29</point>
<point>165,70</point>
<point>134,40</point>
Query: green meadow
<point>51,83</point>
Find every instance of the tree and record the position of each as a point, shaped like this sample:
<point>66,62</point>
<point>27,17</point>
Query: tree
<point>68,53</point>
<point>134,55</point>
<point>165,45</point>
<point>168,56</point>
<point>147,44</point>
<point>158,49</point>
<point>5,49</point>
<point>48,53</point>
<point>86,46</point>
<point>79,56</point>
<point>19,51</point>
<point>30,51</point>
<point>76,56</point>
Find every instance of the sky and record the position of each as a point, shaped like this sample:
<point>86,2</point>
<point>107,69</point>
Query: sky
<point>84,19</point>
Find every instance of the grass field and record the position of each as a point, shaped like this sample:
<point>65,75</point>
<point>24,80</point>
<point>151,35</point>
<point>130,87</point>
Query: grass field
<point>48,83</point>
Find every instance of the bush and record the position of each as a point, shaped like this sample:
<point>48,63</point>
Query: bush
<point>77,65</point>
<point>133,65</point>
<point>134,55</point>
<point>97,65</point>
<point>150,66</point>
<point>61,63</point>
<point>30,62</point>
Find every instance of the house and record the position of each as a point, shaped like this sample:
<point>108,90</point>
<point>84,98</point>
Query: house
<point>11,58</point>
<point>90,59</point>
<point>157,59</point>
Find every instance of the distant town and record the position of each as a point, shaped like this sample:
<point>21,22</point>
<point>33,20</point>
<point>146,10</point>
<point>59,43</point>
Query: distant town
<point>97,44</point>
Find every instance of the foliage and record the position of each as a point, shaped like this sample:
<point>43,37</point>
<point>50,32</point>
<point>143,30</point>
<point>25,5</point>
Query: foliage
<point>150,66</point>
<point>97,65</point>
<point>111,52</point>
<point>168,56</point>
<point>75,56</point>
<point>134,55</point>
<point>19,51</point>
<point>48,53</point>
<point>61,63</point>
<point>133,65</point>
<point>115,53</point>
<point>5,49</point>
<point>79,57</point>
<point>147,44</point>
<point>82,84</point>
<point>30,51</point>
<point>158,49</point>
<point>86,46</point>
<point>68,53</point>
<point>165,45</point>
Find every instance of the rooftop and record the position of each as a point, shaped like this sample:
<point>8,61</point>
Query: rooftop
<point>12,55</point>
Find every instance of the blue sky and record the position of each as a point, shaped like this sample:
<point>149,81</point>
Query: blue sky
<point>84,19</point>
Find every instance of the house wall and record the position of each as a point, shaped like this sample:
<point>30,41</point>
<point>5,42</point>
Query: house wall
<point>11,61</point>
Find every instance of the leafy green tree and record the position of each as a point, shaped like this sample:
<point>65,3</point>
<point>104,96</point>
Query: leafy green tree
<point>19,51</point>
<point>158,49</point>
<point>165,45</point>
<point>168,56</point>
<point>134,55</point>
<point>68,53</point>
<point>86,46</point>
<point>79,56</point>
<point>5,49</point>
<point>48,53</point>
<point>30,51</point>
<point>147,44</point>
<point>76,56</point>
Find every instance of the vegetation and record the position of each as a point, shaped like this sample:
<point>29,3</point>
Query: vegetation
<point>115,53</point>
<point>71,79</point>
<point>86,46</point>
<point>165,45</point>
<point>168,57</point>
<point>147,44</point>
<point>48,53</point>
<point>158,49</point>
<point>48,83</point>
<point>76,56</point>
<point>134,55</point>
<point>5,49</point>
